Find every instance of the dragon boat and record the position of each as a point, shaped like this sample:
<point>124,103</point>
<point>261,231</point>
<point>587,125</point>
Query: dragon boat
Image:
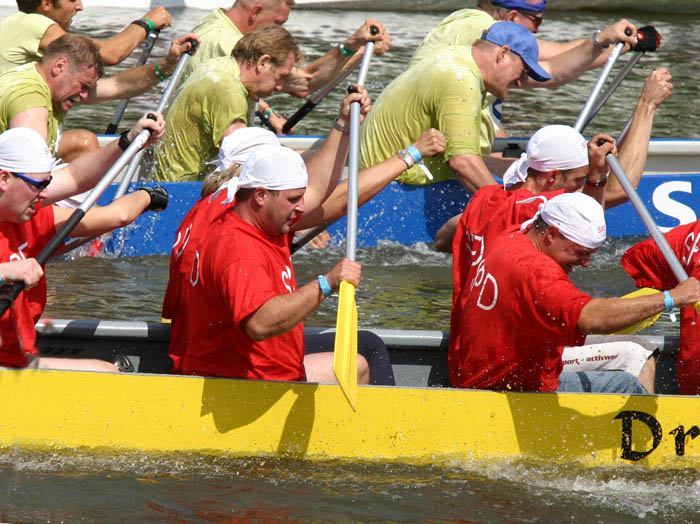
<point>419,421</point>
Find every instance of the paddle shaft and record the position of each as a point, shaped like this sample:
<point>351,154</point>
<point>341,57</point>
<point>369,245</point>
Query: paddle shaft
<point>313,102</point>
<point>164,100</point>
<point>9,292</point>
<point>354,158</point>
<point>148,47</point>
<point>646,217</point>
<point>613,87</point>
<point>583,117</point>
<point>353,166</point>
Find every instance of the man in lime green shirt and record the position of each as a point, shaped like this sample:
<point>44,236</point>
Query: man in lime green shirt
<point>217,98</point>
<point>447,93</point>
<point>24,36</point>
<point>211,99</point>
<point>38,95</point>
<point>564,61</point>
<point>220,29</point>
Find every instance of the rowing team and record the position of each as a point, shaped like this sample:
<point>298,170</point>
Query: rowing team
<point>241,304</point>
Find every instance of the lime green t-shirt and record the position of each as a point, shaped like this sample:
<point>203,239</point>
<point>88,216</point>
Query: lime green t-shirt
<point>462,28</point>
<point>21,89</point>
<point>218,35</point>
<point>20,35</point>
<point>209,101</point>
<point>445,92</point>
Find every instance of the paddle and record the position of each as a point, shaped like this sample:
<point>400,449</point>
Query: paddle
<point>148,47</point>
<point>345,349</point>
<point>10,291</point>
<point>646,217</point>
<point>134,164</point>
<point>313,102</point>
<point>649,39</point>
<point>583,117</point>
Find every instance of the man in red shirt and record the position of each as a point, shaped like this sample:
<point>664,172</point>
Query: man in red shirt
<point>235,149</point>
<point>522,291</point>
<point>647,266</point>
<point>245,310</point>
<point>27,224</point>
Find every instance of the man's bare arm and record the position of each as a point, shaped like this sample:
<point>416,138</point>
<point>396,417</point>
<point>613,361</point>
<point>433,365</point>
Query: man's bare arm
<point>471,171</point>
<point>281,313</point>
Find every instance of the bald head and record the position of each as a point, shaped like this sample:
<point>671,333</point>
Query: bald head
<point>249,15</point>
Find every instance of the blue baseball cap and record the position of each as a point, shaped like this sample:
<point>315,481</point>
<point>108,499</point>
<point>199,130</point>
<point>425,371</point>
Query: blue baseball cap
<point>522,43</point>
<point>521,5</point>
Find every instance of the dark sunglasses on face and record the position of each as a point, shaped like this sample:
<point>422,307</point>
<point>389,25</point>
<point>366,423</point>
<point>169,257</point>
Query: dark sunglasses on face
<point>40,185</point>
<point>537,20</point>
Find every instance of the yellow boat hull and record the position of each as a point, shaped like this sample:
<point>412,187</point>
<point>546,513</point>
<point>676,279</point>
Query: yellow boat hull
<point>161,413</point>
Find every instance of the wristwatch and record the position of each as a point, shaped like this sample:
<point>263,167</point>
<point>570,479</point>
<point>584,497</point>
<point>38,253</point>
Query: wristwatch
<point>595,41</point>
<point>406,157</point>
<point>597,183</point>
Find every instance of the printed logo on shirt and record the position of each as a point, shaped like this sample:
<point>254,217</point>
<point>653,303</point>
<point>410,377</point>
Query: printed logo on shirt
<point>287,278</point>
<point>194,272</point>
<point>487,283</point>
<point>475,245</point>
<point>185,240</point>
<point>691,245</point>
<point>19,256</point>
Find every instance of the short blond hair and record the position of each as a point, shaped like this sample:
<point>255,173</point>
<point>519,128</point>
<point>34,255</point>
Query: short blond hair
<point>78,50</point>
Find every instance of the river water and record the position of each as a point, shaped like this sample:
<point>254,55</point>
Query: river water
<point>403,287</point>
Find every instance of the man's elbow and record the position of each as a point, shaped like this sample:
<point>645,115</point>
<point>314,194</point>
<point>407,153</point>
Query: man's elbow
<point>112,57</point>
<point>257,331</point>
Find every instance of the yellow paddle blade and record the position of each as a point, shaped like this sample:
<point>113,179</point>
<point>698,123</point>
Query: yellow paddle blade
<point>345,350</point>
<point>642,324</point>
<point>697,307</point>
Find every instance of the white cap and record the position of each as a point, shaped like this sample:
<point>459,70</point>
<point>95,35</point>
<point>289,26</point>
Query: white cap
<point>237,147</point>
<point>272,167</point>
<point>577,216</point>
<point>23,150</point>
<point>552,147</point>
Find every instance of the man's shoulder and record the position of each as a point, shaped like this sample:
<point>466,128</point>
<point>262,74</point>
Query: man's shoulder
<point>219,70</point>
<point>21,81</point>
<point>27,19</point>
<point>215,20</point>
<point>453,64</point>
<point>487,196</point>
<point>468,14</point>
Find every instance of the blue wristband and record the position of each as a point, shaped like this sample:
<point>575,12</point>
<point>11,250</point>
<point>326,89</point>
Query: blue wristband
<point>324,285</point>
<point>668,300</point>
<point>417,157</point>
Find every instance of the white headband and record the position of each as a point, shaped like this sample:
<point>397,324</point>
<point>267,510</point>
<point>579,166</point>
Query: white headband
<point>577,216</point>
<point>272,167</point>
<point>238,146</point>
<point>552,147</point>
<point>23,150</point>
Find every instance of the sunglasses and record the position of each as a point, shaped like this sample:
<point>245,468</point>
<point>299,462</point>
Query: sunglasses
<point>537,20</point>
<point>40,185</point>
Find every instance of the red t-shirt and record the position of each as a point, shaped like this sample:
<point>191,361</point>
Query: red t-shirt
<point>520,310</point>
<point>19,241</point>
<point>239,269</point>
<point>647,266</point>
<point>192,229</point>
<point>491,211</point>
